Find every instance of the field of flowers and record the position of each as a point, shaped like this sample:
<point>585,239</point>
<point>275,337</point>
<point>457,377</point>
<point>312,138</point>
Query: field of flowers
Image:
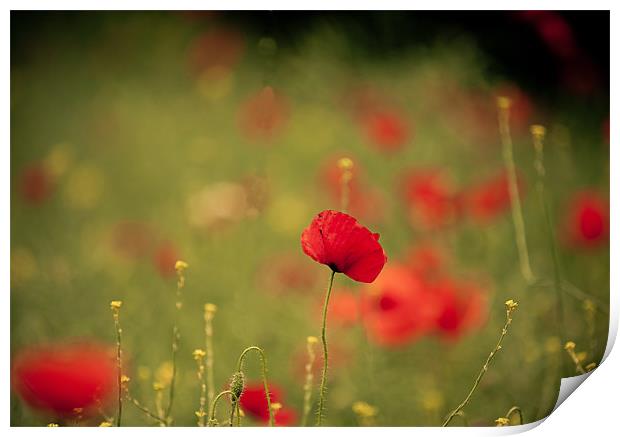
<point>185,192</point>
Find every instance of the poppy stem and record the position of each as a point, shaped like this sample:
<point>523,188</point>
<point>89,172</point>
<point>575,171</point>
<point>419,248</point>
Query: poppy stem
<point>116,307</point>
<point>319,418</point>
<point>209,313</point>
<point>212,420</point>
<point>263,360</point>
<point>515,202</point>
<point>510,307</point>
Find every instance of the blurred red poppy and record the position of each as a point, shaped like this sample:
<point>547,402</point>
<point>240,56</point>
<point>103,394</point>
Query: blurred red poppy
<point>263,115</point>
<point>254,403</point>
<point>431,199</point>
<point>337,240</point>
<point>36,184</point>
<point>343,308</point>
<point>397,308</point>
<point>586,223</point>
<point>164,258</point>
<point>387,130</point>
<point>61,378</point>
<point>426,260</point>
<point>219,49</point>
<point>490,198</point>
<point>462,307</point>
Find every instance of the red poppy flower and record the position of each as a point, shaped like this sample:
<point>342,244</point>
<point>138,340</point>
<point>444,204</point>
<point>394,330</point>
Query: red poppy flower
<point>254,403</point>
<point>462,307</point>
<point>426,260</point>
<point>387,130</point>
<point>587,220</point>
<point>343,308</point>
<point>36,184</point>
<point>263,115</point>
<point>337,240</point>
<point>397,308</point>
<point>490,198</point>
<point>60,378</point>
<point>164,258</point>
<point>431,199</point>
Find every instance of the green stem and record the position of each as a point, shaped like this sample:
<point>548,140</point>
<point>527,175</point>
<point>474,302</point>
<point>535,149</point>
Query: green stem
<point>216,400</point>
<point>515,201</point>
<point>119,355</point>
<point>264,375</point>
<point>514,410</point>
<point>483,371</point>
<point>319,418</point>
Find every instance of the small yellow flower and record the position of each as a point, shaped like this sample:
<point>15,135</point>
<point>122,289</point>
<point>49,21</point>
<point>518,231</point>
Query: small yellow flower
<point>158,386</point>
<point>511,305</point>
<point>569,346</point>
<point>210,308</point>
<point>52,425</point>
<point>581,356</point>
<point>198,354</point>
<point>590,367</point>
<point>276,406</point>
<point>312,339</point>
<point>125,379</point>
<point>116,304</point>
<point>503,102</point>
<point>502,421</point>
<point>538,130</point>
<point>200,414</point>
<point>180,266</point>
<point>105,424</point>
<point>364,409</point>
<point>345,163</point>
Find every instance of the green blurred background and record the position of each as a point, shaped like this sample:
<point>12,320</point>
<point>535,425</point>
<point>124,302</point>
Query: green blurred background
<point>134,130</point>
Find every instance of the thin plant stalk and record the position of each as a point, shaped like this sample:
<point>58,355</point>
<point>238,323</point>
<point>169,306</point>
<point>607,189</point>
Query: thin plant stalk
<point>538,135</point>
<point>510,307</point>
<point>180,267</point>
<point>209,314</point>
<point>346,165</point>
<point>116,306</point>
<point>319,416</point>
<point>515,201</point>
<point>263,360</point>
<point>214,405</point>
<point>199,356</point>
<point>145,410</point>
<point>311,341</point>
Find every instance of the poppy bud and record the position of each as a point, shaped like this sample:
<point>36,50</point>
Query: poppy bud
<point>237,384</point>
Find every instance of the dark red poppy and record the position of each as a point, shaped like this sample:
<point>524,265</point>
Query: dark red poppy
<point>60,378</point>
<point>337,240</point>
<point>431,199</point>
<point>491,198</point>
<point>36,184</point>
<point>387,130</point>
<point>219,49</point>
<point>263,115</point>
<point>164,258</point>
<point>397,308</point>
<point>343,308</point>
<point>254,403</point>
<point>586,223</point>
<point>462,307</point>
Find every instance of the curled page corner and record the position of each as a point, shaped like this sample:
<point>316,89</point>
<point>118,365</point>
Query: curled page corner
<point>568,386</point>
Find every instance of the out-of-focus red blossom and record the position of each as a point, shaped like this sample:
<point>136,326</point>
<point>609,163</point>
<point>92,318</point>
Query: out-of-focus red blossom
<point>287,273</point>
<point>132,239</point>
<point>586,221</point>
<point>426,260</point>
<point>164,258</point>
<point>431,199</point>
<point>364,201</point>
<point>462,307</point>
<point>343,308</point>
<point>487,200</point>
<point>397,308</point>
<point>387,130</point>
<point>219,49</point>
<point>553,30</point>
<point>263,115</point>
<point>254,403</point>
<point>337,240</point>
<point>59,378</point>
<point>36,184</point>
